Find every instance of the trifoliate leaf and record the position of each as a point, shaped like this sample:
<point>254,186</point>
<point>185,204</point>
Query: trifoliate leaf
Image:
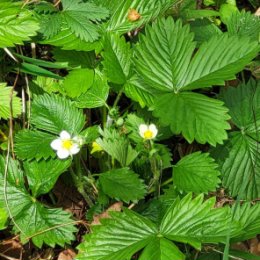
<point>31,144</point>
<point>43,175</point>
<point>5,102</point>
<point>173,67</point>
<point>122,184</point>
<point>78,81</point>
<point>16,24</point>
<point>31,218</point>
<point>117,58</point>
<point>197,173</point>
<point>194,115</point>
<point>194,221</point>
<point>96,95</point>
<point>129,232</point>
<point>117,146</point>
<point>54,114</point>
<point>161,249</point>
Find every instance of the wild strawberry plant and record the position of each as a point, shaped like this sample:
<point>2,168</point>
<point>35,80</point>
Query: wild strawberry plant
<point>153,104</point>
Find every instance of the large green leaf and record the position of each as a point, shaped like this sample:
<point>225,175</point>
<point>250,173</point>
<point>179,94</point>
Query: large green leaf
<point>78,81</point>
<point>118,238</point>
<point>54,114</point>
<point>6,104</point>
<point>97,95</point>
<point>117,146</point>
<point>194,221</point>
<point>31,144</point>
<point>43,175</point>
<point>122,184</point>
<point>117,58</point>
<point>164,53</point>
<point>164,57</point>
<point>161,249</point>
<point>31,218</point>
<point>16,24</point>
<point>197,173</point>
<point>194,115</point>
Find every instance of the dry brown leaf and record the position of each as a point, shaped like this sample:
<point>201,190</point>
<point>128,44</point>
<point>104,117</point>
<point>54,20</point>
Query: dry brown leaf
<point>67,254</point>
<point>254,246</point>
<point>133,15</point>
<point>257,13</point>
<point>115,207</point>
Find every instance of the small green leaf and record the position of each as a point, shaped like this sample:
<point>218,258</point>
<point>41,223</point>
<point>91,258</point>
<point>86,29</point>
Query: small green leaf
<point>96,96</point>
<point>54,114</point>
<point>43,175</point>
<point>90,134</point>
<point>31,144</point>
<point>197,173</point>
<point>5,95</point>
<point>122,184</point>
<point>117,146</point>
<point>161,249</point>
<point>78,81</point>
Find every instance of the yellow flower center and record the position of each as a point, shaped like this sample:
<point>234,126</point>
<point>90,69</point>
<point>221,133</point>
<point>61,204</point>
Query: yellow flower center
<point>67,144</point>
<point>148,134</point>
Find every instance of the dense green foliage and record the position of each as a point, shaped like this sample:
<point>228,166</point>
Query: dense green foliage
<point>153,104</point>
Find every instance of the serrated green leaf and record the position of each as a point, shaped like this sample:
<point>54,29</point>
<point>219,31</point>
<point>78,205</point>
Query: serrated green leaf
<point>122,184</point>
<point>5,95</point>
<point>194,221</point>
<point>78,81</point>
<point>244,24</point>
<point>96,96</point>
<point>54,114</point>
<point>194,115</point>
<point>50,24</point>
<point>43,175</point>
<point>197,173</point>
<point>117,146</point>
<point>129,232</point>
<point>90,134</point>
<point>82,17</point>
<point>16,24</point>
<point>48,85</point>
<point>161,249</point>
<point>163,54</point>
<point>3,218</point>
<point>31,144</point>
<point>241,167</point>
<point>117,58</point>
<point>32,219</point>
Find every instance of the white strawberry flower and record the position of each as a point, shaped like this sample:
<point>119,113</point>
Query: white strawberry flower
<point>148,132</point>
<point>65,145</point>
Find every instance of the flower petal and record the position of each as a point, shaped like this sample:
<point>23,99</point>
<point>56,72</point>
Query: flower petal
<point>64,135</point>
<point>63,153</point>
<point>74,149</point>
<point>56,144</point>
<point>142,129</point>
<point>153,129</point>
